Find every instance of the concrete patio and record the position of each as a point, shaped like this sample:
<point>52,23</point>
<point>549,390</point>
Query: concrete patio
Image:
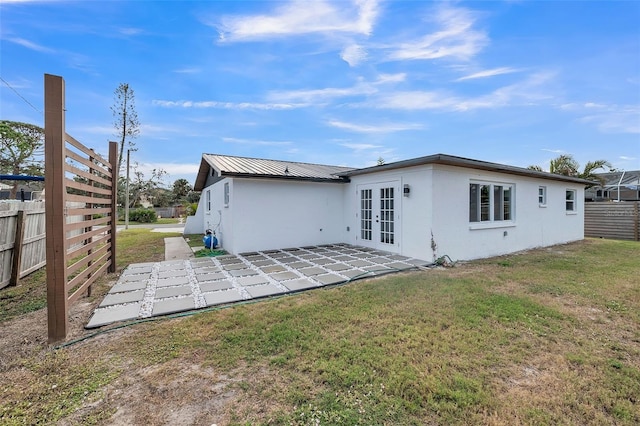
<point>153,289</point>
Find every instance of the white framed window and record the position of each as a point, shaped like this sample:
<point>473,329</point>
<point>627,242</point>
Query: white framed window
<point>571,201</point>
<point>226,194</point>
<point>542,196</point>
<point>208,201</point>
<point>490,202</point>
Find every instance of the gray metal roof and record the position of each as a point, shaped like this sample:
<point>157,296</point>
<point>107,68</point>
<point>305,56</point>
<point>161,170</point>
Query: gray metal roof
<point>630,178</point>
<point>227,165</point>
<point>469,163</point>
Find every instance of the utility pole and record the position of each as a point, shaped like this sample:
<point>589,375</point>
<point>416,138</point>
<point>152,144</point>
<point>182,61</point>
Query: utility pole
<point>126,196</point>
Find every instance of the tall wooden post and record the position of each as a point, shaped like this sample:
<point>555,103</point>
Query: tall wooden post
<point>55,206</point>
<point>113,159</point>
<point>17,247</point>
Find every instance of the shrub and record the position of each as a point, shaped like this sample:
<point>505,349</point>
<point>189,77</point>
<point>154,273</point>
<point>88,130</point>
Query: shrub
<point>143,216</point>
<point>191,209</point>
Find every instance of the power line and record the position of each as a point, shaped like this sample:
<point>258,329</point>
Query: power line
<point>22,97</point>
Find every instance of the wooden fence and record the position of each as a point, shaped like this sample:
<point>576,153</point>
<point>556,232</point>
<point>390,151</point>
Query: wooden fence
<point>22,238</point>
<point>22,243</point>
<point>612,220</point>
<point>78,174</point>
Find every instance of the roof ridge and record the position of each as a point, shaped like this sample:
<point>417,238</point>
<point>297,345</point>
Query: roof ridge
<point>278,161</point>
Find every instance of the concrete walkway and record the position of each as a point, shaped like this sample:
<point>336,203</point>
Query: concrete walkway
<point>153,289</point>
<point>176,248</point>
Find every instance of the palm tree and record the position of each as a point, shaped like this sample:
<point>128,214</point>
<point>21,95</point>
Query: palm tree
<point>591,167</point>
<point>566,165</point>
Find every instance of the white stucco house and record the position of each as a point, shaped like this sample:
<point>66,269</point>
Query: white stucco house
<point>464,208</point>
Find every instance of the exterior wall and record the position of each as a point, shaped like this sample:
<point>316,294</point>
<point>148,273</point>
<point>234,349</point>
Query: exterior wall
<point>267,214</point>
<point>532,226</point>
<point>413,212</point>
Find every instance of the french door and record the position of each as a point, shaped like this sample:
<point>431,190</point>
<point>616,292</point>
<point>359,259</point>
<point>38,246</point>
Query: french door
<point>378,215</point>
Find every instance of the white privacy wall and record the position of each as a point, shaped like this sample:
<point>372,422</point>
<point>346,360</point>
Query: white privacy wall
<point>276,213</point>
<point>533,225</point>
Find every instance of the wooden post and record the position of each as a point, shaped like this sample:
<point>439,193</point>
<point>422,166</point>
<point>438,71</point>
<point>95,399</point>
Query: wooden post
<point>113,159</point>
<point>17,248</point>
<point>55,206</point>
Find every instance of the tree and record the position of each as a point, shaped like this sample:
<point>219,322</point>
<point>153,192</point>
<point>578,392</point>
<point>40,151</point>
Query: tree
<point>381,161</point>
<point>181,189</point>
<point>125,118</point>
<point>566,165</point>
<point>19,142</point>
<point>140,187</point>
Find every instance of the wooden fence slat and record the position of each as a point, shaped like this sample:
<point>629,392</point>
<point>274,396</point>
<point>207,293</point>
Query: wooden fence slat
<point>87,273</point>
<point>88,200</point>
<point>86,162</point>
<point>86,188</point>
<point>84,236</point>
<point>85,261</point>
<point>88,151</point>
<point>83,250</point>
<point>76,294</point>
<point>96,178</point>
<point>85,211</point>
<point>17,248</point>
<point>87,223</point>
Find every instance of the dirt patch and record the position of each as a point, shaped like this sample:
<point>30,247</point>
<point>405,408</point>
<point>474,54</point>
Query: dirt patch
<point>171,393</point>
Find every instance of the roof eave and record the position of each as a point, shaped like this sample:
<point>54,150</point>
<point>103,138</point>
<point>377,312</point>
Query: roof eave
<point>338,179</point>
<point>468,163</point>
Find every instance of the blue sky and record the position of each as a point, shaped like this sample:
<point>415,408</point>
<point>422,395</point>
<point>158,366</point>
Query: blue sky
<point>336,82</point>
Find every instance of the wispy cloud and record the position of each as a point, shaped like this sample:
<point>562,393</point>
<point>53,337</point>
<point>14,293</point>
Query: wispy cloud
<point>193,70</point>
<point>391,78</point>
<point>616,120</point>
<point>226,105</point>
<point>360,146</point>
<point>527,92</point>
<point>625,158</point>
<point>256,142</point>
<point>414,100</point>
<point>607,118</point>
<point>455,37</point>
<point>31,45</point>
<point>302,17</point>
<point>317,95</point>
<point>354,55</point>
<point>377,128</point>
<point>130,31</point>
<point>555,151</point>
<point>488,73</point>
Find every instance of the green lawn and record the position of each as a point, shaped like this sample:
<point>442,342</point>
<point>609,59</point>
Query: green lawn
<point>551,336</point>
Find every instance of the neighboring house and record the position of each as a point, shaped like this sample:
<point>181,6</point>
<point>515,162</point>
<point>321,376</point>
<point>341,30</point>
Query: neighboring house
<point>423,208</point>
<point>618,186</point>
<point>25,191</point>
